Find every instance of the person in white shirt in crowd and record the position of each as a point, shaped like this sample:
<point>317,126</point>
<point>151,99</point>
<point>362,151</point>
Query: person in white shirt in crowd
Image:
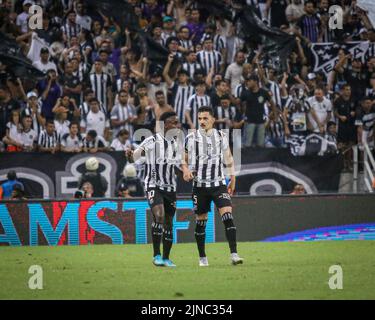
<point>44,64</point>
<point>156,84</point>
<point>323,110</point>
<point>72,142</point>
<point>93,143</point>
<point>234,71</point>
<point>294,11</point>
<point>123,114</point>
<point>23,18</point>
<point>82,19</point>
<point>84,108</point>
<point>34,109</point>
<point>13,133</point>
<point>122,142</point>
<point>29,137</point>
<point>61,123</point>
<point>96,120</point>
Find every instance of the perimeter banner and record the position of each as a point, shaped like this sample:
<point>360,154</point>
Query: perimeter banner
<point>261,171</point>
<point>111,221</point>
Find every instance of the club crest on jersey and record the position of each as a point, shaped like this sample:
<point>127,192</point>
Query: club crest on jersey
<point>225,196</point>
<point>260,99</point>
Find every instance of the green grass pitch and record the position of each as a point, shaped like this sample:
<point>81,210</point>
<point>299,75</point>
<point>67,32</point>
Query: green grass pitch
<point>271,271</point>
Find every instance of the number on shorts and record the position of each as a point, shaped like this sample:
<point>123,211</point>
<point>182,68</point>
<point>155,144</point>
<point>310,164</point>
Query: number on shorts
<point>195,199</point>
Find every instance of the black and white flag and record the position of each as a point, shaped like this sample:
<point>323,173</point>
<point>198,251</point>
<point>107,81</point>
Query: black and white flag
<point>325,54</point>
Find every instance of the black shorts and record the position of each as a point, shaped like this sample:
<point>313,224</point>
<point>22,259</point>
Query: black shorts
<point>202,198</point>
<point>156,197</point>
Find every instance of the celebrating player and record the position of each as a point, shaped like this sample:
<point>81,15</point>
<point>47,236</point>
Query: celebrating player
<point>160,183</point>
<point>206,150</point>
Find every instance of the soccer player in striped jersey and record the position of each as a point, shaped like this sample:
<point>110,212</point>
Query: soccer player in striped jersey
<point>197,100</point>
<point>206,152</point>
<point>162,156</point>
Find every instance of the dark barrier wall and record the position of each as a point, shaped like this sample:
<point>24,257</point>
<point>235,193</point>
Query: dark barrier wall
<point>114,221</point>
<point>263,171</point>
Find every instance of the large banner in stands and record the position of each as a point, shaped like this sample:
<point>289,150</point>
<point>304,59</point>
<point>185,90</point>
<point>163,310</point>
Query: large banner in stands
<point>262,171</point>
<point>325,54</point>
<point>283,218</point>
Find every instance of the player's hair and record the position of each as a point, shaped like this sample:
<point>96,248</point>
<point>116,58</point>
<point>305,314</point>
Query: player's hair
<point>122,91</point>
<point>92,134</point>
<point>346,85</point>
<point>310,1</point>
<point>50,121</point>
<point>225,97</point>
<point>87,92</point>
<point>94,100</point>
<point>159,93</point>
<point>74,123</point>
<point>123,132</point>
<point>206,109</point>
<point>167,115</point>
<point>219,82</point>
<point>141,85</point>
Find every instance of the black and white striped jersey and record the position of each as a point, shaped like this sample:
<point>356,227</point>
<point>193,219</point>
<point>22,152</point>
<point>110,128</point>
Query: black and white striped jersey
<point>36,126</point>
<point>122,113</point>
<point>81,72</point>
<point>187,44</point>
<point>99,142</point>
<point>194,103</point>
<point>209,60</point>
<point>366,120</point>
<point>100,84</point>
<point>276,128</point>
<point>71,30</point>
<point>206,157</point>
<point>48,141</point>
<point>191,68</point>
<point>297,114</point>
<point>180,97</point>
<point>219,42</point>
<point>225,113</point>
<point>238,90</point>
<point>274,87</point>
<point>162,156</point>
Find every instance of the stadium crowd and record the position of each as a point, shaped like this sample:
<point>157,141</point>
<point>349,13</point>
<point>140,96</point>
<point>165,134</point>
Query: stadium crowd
<point>99,89</point>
